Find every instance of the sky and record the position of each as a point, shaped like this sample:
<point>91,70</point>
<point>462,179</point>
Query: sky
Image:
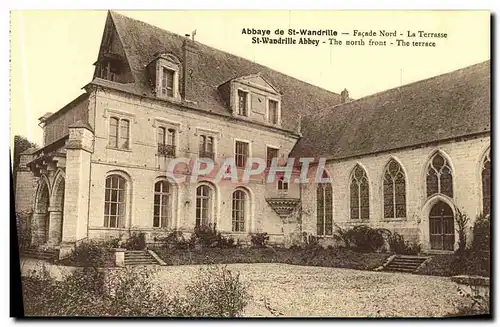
<point>52,52</point>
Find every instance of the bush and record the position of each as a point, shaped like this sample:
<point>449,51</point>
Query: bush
<point>216,292</point>
<point>92,254</point>
<point>481,236</point>
<point>259,240</point>
<point>367,239</point>
<point>398,245</point>
<point>23,220</point>
<point>207,236</point>
<point>136,242</point>
<point>342,235</point>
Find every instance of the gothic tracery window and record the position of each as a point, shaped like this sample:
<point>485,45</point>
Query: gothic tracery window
<point>439,176</point>
<point>360,195</point>
<point>394,191</point>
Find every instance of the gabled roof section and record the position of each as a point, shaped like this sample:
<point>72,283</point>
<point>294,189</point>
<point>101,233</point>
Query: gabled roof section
<point>258,81</point>
<point>141,42</point>
<point>448,106</point>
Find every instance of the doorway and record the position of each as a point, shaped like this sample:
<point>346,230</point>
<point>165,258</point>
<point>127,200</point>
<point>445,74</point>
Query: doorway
<point>441,227</point>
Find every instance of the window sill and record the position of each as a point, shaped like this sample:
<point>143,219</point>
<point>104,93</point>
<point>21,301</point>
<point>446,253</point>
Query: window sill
<point>118,149</point>
<point>388,220</point>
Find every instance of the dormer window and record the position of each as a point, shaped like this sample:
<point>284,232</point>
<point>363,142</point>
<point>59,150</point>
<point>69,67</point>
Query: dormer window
<point>167,83</point>
<point>242,103</point>
<point>164,72</point>
<point>273,112</point>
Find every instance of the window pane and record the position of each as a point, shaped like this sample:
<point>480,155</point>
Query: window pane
<point>171,137</point>
<point>354,200</point>
<point>161,136</point>
<point>446,182</point>
<point>432,182</point>
<point>113,132</point>
<point>486,185</point>
<point>273,111</point>
<point>124,134</point>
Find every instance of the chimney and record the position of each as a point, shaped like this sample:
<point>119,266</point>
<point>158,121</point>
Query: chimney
<point>344,96</point>
<point>189,67</point>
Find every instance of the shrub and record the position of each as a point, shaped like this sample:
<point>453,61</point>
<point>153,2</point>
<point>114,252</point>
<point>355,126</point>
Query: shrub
<point>399,245</point>
<point>91,254</point>
<point>217,292</point>
<point>259,240</point>
<point>367,239</point>
<point>462,222</point>
<point>342,235</point>
<point>136,242</point>
<point>23,220</point>
<point>207,236</point>
<point>481,235</point>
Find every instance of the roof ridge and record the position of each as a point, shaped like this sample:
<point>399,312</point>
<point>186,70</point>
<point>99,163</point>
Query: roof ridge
<point>413,83</point>
<point>223,51</point>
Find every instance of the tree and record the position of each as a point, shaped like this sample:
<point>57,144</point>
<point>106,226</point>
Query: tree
<point>21,144</point>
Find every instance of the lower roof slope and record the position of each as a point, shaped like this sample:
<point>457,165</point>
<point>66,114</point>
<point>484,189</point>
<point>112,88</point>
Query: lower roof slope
<point>443,107</point>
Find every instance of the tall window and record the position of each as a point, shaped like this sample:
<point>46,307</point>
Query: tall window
<point>167,84</point>
<point>394,191</point>
<point>486,183</point>
<point>271,153</point>
<point>241,153</point>
<point>166,142</point>
<point>114,201</point>
<point>324,209</point>
<point>161,204</point>
<point>439,176</point>
<point>119,133</point>
<point>360,195</point>
<point>203,205</point>
<point>273,112</point>
<point>242,103</point>
<point>206,147</point>
<point>239,209</point>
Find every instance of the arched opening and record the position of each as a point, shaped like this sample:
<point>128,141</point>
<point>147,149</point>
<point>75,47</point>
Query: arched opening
<point>441,227</point>
<point>56,211</point>
<point>486,183</point>
<point>162,213</point>
<point>41,215</point>
<point>205,199</point>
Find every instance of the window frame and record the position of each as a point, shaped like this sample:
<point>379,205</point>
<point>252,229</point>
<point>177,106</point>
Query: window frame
<point>210,206</point>
<point>278,111</point>
<point>246,93</point>
<point>118,134</point>
<point>245,211</point>
<point>268,162</point>
<point>248,154</point>
<point>168,64</point>
<point>394,191</point>
<point>121,220</point>
<point>163,222</point>
<point>429,165</point>
<point>352,178</point>
<point>323,187</point>
<point>486,158</point>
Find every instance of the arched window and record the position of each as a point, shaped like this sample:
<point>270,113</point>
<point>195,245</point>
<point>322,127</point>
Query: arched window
<point>360,195</point>
<point>162,204</point>
<point>324,209</point>
<point>239,211</point>
<point>204,200</point>
<point>439,176</point>
<point>394,191</point>
<point>114,201</point>
<point>486,183</point>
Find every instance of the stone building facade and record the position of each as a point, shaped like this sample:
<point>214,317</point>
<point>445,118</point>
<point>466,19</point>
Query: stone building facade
<point>403,159</point>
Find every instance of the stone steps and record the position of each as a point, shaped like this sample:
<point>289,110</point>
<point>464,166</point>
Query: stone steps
<point>407,264</point>
<point>139,258</point>
<point>48,255</point>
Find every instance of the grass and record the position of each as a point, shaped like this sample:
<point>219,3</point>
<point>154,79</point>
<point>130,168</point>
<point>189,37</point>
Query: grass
<point>451,265</point>
<point>336,257</point>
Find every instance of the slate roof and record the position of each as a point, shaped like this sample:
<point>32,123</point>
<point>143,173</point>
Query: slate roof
<point>444,107</point>
<point>142,41</point>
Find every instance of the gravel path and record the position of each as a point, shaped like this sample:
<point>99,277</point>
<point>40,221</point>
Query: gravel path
<point>298,291</point>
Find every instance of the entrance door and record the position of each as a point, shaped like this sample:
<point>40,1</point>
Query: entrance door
<point>441,227</point>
